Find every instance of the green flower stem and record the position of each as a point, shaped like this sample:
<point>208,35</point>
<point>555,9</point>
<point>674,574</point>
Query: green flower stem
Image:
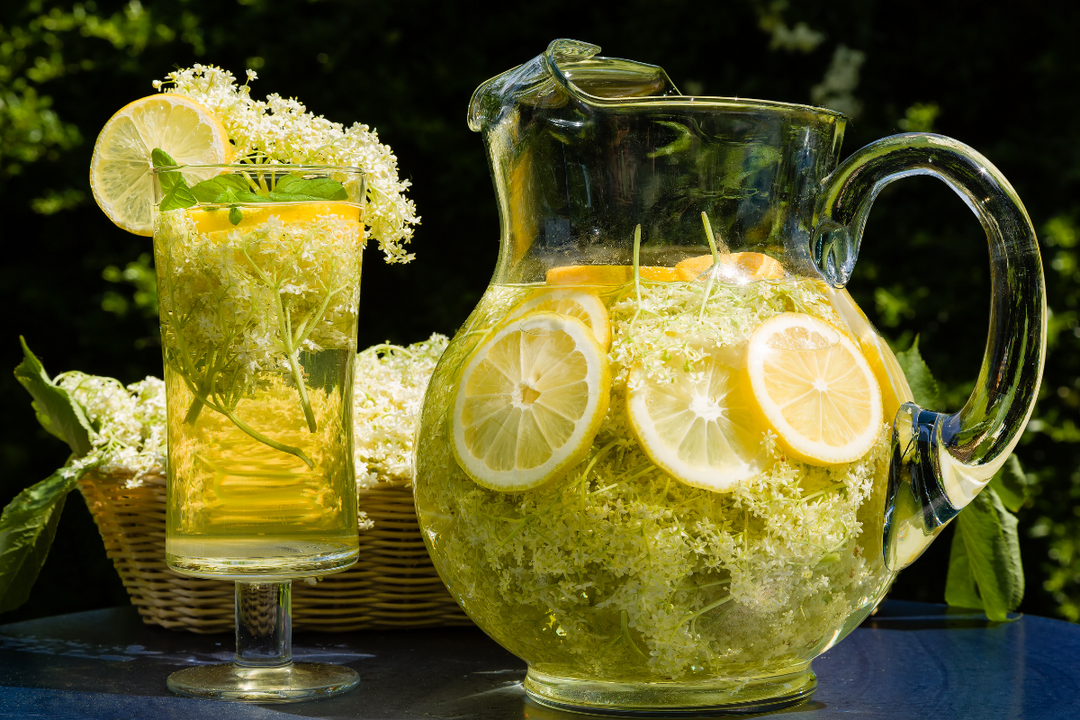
<point>247,428</point>
<point>811,496</point>
<point>712,273</point>
<point>193,411</point>
<point>637,273</point>
<point>626,634</point>
<point>287,345</point>
<point>694,617</point>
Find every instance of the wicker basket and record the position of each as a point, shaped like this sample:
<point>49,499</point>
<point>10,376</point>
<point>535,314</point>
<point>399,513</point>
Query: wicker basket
<point>392,585</point>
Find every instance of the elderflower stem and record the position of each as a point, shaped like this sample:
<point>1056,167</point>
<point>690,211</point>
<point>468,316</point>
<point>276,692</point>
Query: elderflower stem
<point>715,265</point>
<point>637,272</point>
<point>205,400</point>
<point>626,634</point>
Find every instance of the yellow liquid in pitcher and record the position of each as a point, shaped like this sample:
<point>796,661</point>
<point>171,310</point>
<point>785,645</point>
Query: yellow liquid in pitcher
<point>620,570</point>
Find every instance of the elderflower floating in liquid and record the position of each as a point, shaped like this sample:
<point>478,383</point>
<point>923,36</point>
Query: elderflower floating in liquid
<point>619,572</point>
<point>258,332</point>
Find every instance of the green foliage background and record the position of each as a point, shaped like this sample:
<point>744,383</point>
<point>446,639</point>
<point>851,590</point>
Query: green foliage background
<point>998,77</point>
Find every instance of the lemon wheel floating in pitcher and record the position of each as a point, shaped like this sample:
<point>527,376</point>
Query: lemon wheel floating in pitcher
<point>815,389</point>
<point>530,401</point>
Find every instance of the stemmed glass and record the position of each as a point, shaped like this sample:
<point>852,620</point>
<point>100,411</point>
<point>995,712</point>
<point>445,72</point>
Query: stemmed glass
<point>258,270</point>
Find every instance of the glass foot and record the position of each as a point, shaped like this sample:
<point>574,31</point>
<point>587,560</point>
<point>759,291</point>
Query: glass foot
<point>294,682</point>
<point>734,696</point>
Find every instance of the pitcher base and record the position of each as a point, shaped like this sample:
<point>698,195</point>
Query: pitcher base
<point>732,696</point>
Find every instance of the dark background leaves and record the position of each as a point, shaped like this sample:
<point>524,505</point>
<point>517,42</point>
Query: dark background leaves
<point>997,77</point>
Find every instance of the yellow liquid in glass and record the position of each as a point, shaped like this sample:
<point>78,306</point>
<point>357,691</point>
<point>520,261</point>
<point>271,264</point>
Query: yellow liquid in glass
<point>258,331</point>
<point>239,506</point>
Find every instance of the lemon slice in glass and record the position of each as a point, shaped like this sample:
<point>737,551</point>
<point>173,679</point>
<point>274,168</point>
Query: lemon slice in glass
<point>584,305</point>
<point>814,388</point>
<point>120,167</point>
<point>697,424</point>
<point>213,220</point>
<point>529,402</point>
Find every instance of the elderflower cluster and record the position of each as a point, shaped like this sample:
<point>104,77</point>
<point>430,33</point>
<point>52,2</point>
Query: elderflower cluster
<point>235,297</point>
<point>618,570</point>
<point>127,423</point>
<point>388,392</point>
<point>389,383</point>
<point>282,130</point>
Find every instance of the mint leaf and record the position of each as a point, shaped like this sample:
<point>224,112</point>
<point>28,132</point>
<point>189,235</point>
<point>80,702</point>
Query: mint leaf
<point>321,188</point>
<point>27,528</point>
<point>274,196</point>
<point>174,188</point>
<point>990,554</point>
<point>56,410</point>
<point>220,190</point>
<point>180,197</point>
<point>1011,484</point>
<point>235,216</point>
<point>230,188</point>
<point>924,387</point>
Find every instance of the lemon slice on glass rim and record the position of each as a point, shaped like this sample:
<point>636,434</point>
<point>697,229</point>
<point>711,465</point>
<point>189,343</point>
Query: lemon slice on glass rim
<point>815,389</point>
<point>585,305</point>
<point>120,176</point>
<point>697,424</point>
<point>530,401</point>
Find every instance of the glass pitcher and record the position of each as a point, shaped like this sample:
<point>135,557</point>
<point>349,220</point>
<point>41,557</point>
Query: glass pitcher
<point>667,461</point>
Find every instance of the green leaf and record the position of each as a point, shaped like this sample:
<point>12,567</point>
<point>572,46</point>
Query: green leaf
<point>27,528</point>
<point>220,190</point>
<point>180,197</point>
<point>988,534</point>
<point>235,216</point>
<point>174,188</point>
<point>56,410</point>
<point>274,196</point>
<point>160,158</point>
<point>960,588</point>
<point>924,387</point>
<point>323,188</point>
<point>1011,484</point>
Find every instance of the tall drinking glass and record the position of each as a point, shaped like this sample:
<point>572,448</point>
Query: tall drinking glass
<point>258,271</point>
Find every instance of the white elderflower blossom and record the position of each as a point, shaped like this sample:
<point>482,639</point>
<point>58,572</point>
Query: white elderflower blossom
<point>281,130</point>
<point>128,423</point>
<point>388,392</point>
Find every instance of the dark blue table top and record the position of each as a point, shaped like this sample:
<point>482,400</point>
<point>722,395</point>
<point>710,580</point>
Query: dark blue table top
<point>911,660</point>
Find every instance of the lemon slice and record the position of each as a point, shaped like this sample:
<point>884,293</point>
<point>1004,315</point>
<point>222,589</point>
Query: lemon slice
<point>814,388</point>
<point>895,390</point>
<point>120,167</point>
<point>700,427</point>
<point>529,402</point>
<point>606,274</point>
<point>214,220</point>
<point>734,267</point>
<point>581,304</point>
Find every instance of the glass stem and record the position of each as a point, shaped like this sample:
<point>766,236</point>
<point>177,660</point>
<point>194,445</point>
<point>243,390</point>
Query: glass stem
<point>263,623</point>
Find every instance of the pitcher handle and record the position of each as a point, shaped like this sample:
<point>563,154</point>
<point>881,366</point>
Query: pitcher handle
<point>941,461</point>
